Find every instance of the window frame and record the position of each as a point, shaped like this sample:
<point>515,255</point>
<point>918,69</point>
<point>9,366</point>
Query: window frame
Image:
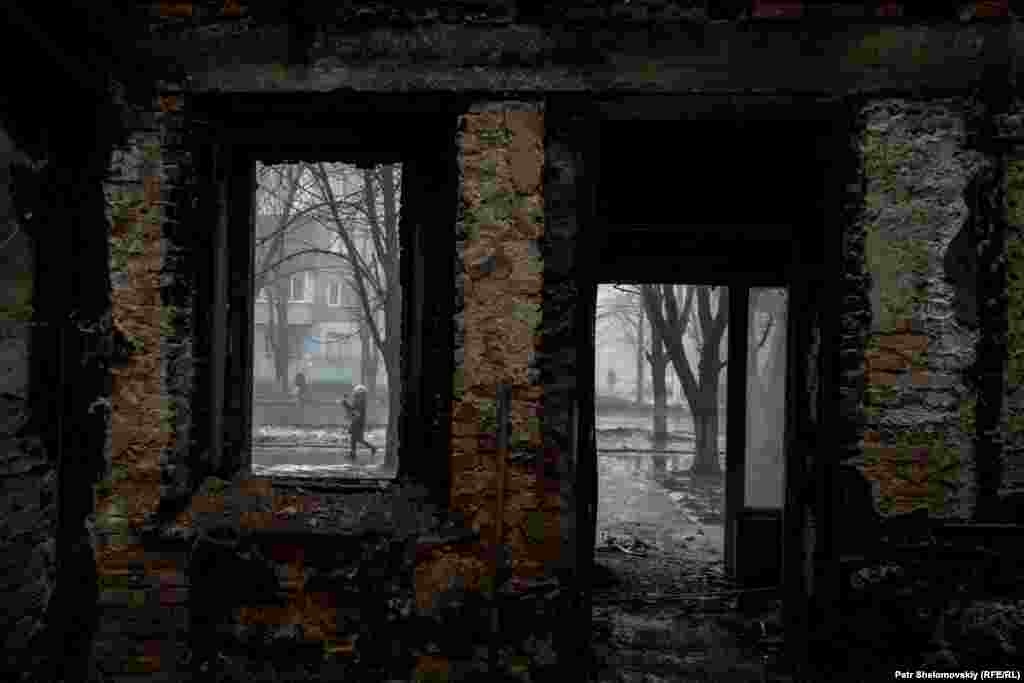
<point>331,283</point>
<point>427,268</point>
<point>307,288</point>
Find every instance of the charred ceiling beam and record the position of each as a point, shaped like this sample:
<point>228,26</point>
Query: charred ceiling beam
<point>107,26</point>
<point>695,12</point>
<point>83,46</point>
<point>28,34</point>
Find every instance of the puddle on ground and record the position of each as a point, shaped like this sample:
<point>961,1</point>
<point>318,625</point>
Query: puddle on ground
<point>664,609</point>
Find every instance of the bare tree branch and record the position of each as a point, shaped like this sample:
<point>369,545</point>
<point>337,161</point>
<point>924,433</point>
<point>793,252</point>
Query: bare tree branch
<point>353,254</point>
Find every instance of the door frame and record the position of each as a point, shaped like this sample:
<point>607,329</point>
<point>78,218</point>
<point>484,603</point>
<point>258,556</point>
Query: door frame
<point>815,245</point>
<point>622,258</point>
<point>607,263</point>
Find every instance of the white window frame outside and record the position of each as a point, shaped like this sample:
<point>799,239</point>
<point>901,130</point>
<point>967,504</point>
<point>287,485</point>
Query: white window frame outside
<point>334,301</point>
<point>307,288</point>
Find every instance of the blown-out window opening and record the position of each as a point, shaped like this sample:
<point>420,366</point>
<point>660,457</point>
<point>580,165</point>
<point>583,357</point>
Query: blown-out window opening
<point>328,405</point>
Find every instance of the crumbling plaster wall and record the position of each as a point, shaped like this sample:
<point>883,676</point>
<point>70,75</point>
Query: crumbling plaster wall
<point>938,388</point>
<point>920,398</point>
<point>151,392</point>
<point>497,330</point>
<point>1012,419</point>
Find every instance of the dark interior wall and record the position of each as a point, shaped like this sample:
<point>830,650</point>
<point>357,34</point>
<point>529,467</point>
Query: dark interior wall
<point>831,424</point>
<point>568,275</point>
<point>28,483</point>
<point>712,171</point>
<point>58,438</point>
<point>1013,424</point>
<point>57,340</point>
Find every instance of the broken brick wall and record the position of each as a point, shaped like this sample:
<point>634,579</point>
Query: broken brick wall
<point>939,395</point>
<point>152,292</point>
<point>920,398</point>
<point>316,611</point>
<point>1012,418</point>
<point>499,317</point>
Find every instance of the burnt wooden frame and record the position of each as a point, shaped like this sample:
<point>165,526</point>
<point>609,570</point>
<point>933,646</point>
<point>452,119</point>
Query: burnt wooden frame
<point>237,133</point>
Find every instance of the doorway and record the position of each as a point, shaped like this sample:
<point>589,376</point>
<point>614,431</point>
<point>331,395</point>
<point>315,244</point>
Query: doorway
<point>723,215</point>
<point>662,355</point>
<point>660,417</point>
<point>691,475</point>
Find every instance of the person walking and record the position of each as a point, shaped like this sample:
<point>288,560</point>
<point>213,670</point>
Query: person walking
<point>357,425</point>
<point>302,394</point>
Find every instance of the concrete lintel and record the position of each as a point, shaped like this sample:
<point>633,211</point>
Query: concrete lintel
<point>724,58</point>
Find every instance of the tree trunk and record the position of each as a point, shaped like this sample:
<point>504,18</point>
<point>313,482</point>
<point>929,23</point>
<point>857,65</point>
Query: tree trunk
<point>659,361</point>
<point>705,424</point>
<point>639,400</point>
<point>369,359</point>
<point>394,405</point>
<point>701,391</point>
<point>281,341</point>
<point>392,348</point>
<point>706,412</point>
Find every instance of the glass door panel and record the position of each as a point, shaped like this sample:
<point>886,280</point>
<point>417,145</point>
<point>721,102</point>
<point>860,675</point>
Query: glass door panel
<point>766,393</point>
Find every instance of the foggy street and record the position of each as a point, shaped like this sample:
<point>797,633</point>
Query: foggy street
<point>634,500</point>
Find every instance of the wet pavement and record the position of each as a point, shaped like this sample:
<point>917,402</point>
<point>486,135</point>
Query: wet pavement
<point>664,609</point>
<point>633,502</point>
<point>644,491</point>
<point>316,452</point>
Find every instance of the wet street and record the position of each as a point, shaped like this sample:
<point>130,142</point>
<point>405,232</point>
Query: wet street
<point>664,609</point>
<point>644,492</point>
<point>634,502</point>
<point>316,452</point>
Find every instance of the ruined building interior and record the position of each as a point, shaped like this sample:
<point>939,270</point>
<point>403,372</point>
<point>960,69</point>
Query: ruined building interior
<point>831,193</point>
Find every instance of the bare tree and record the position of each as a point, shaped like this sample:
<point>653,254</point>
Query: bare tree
<point>282,198</point>
<point>364,214</point>
<point>624,312</point>
<point>659,363</point>
<point>707,327</point>
<point>627,311</point>
<point>673,316</point>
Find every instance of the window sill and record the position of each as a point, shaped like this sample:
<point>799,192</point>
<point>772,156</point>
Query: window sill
<point>299,485</point>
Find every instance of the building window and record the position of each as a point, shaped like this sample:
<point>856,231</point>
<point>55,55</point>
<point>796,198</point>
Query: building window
<point>423,163</point>
<point>334,293</point>
<point>301,288</point>
<point>262,295</point>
